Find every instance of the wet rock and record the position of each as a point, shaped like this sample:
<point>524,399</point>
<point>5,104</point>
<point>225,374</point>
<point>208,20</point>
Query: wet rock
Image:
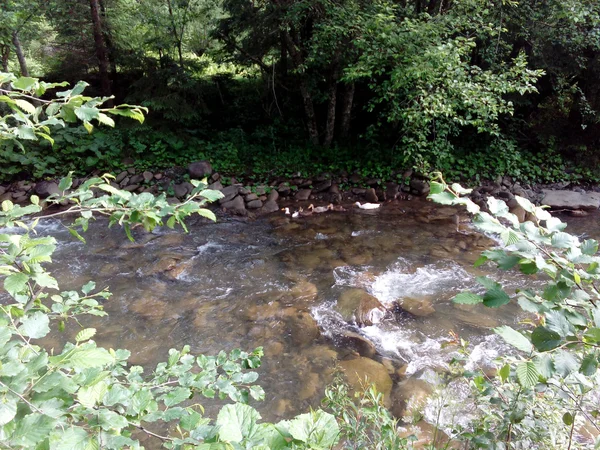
<point>148,307</point>
<point>273,196</point>
<point>571,200</point>
<point>359,369</point>
<point>420,307</point>
<point>229,193</point>
<point>410,396</point>
<point>354,341</point>
<point>254,204</point>
<point>303,194</point>
<point>235,206</point>
<point>199,169</point>
<point>46,188</point>
<point>371,196</point>
<point>474,315</point>
<point>304,291</point>
<point>360,306</point>
<point>303,328</point>
<point>270,206</point>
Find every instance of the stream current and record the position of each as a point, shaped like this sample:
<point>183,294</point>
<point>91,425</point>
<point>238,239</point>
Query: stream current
<point>279,282</point>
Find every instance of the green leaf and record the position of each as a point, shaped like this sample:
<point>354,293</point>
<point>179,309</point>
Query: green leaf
<point>527,374</point>
<point>25,106</point>
<point>589,247</point>
<point>176,396</point>
<point>443,198</point>
<point>504,373</point>
<point>544,339</point>
<point>88,287</point>
<point>105,120</point>
<point>8,409</point>
<point>589,365</point>
<point>467,298</point>
<point>24,83</point>
<point>514,338</point>
<point>494,298</point>
<point>567,419</point>
<point>74,438</point>
<point>85,335</point>
<point>317,429</point>
<point>16,283</point>
<point>237,422</point>
<point>563,240</point>
<point>35,325</point>
<point>565,363</point>
<point>487,282</point>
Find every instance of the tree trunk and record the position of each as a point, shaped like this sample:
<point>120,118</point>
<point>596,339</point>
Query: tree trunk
<point>101,53</point>
<point>175,35</point>
<point>108,41</point>
<point>309,108</point>
<point>20,55</point>
<point>347,101</point>
<point>5,52</point>
<point>333,84</point>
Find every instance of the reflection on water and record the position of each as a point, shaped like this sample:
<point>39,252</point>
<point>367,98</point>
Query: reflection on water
<point>278,283</point>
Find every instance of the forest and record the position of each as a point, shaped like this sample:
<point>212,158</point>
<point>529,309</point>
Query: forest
<point>476,89</point>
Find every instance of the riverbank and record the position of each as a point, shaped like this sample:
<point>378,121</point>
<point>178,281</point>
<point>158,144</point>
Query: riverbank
<point>248,198</point>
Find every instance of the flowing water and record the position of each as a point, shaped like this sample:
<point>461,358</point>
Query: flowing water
<point>275,282</point>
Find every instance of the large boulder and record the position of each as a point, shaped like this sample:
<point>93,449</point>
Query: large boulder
<point>359,306</point>
<point>199,169</point>
<point>270,206</point>
<point>563,199</point>
<point>360,369</point>
<point>303,194</point>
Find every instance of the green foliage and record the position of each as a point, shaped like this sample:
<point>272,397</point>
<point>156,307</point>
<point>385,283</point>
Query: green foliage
<point>544,392</point>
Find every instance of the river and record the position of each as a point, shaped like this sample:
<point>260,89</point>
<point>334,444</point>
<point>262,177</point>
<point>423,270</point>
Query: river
<point>295,286</point>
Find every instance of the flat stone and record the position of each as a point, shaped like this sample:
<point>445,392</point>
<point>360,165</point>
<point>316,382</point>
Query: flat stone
<point>563,199</point>
<point>228,193</point>
<point>420,307</point>
<point>303,194</point>
<point>199,169</point>
<point>254,204</point>
<point>250,197</point>
<point>261,190</point>
<point>270,206</point>
<point>235,206</point>
<point>124,182</point>
<point>244,190</point>
<point>358,191</point>
<point>131,170</point>
<point>147,175</point>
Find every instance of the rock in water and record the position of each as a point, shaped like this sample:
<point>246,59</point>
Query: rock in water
<point>420,307</point>
<point>359,369</point>
<point>563,199</point>
<point>360,306</point>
